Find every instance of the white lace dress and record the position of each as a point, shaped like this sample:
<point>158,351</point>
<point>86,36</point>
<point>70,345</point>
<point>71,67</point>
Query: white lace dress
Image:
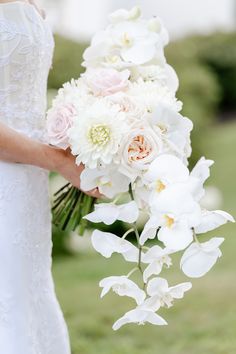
<point>31,321</point>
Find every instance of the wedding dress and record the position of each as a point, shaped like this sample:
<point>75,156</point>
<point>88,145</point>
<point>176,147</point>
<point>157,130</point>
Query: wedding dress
<point>31,320</point>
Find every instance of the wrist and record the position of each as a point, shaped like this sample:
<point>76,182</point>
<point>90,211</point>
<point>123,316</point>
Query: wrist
<point>52,158</point>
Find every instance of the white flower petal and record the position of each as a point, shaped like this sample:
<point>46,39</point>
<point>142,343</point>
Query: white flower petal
<point>107,243</point>
<point>149,230</point>
<point>198,259</point>
<point>212,219</point>
<point>107,213</point>
<point>177,291</point>
<point>153,268</point>
<point>128,212</point>
<point>157,286</point>
<point>122,286</point>
<point>139,316</point>
<point>177,237</point>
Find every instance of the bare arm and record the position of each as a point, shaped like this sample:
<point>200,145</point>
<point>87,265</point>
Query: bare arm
<point>18,148</point>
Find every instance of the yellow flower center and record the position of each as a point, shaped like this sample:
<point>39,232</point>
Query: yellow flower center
<point>163,128</point>
<point>160,186</point>
<point>126,40</point>
<point>99,134</point>
<point>112,59</point>
<point>169,222</point>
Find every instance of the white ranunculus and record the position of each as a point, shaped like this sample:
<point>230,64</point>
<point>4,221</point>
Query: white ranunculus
<point>175,213</point>
<point>151,94</point>
<point>139,316</point>
<point>95,137</point>
<point>108,213</point>
<point>211,220</point>
<point>137,150</point>
<point>107,243</point>
<point>135,112</point>
<point>159,289</point>
<point>108,180</point>
<point>122,286</point>
<point>163,75</point>
<point>199,258</point>
<point>155,257</point>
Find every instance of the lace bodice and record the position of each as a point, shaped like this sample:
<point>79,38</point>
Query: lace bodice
<point>26,47</point>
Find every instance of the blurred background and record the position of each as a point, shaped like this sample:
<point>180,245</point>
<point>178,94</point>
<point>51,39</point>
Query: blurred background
<point>203,52</point>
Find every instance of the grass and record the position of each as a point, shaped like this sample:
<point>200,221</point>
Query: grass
<point>204,322</point>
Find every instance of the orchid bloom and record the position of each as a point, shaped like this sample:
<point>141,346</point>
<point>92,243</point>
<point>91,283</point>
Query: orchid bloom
<point>108,180</point>
<point>175,129</point>
<point>139,316</point>
<point>160,291</point>
<point>174,215</point>
<point>199,258</point>
<point>107,243</point>
<point>122,286</point>
<point>108,213</point>
<point>155,257</point>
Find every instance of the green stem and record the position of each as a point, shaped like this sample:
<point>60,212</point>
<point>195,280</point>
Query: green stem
<point>139,266</point>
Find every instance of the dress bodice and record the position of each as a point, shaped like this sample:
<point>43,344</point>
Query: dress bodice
<point>26,48</point>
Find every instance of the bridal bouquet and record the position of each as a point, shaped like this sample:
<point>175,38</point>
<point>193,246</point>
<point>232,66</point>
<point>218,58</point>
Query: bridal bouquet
<point>122,120</point>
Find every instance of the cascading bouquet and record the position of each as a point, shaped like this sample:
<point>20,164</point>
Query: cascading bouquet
<point>122,120</point>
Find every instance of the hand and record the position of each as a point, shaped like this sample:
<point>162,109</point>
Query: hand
<point>67,167</point>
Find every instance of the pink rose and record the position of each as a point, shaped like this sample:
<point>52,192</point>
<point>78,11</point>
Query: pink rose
<point>105,82</point>
<point>59,120</point>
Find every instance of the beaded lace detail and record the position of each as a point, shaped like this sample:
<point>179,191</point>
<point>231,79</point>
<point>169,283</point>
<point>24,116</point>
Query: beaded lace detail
<point>25,58</point>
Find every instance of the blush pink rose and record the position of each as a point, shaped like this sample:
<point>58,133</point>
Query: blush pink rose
<point>59,120</point>
<point>105,82</point>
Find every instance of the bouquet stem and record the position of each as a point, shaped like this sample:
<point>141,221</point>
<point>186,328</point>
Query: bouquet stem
<point>69,207</point>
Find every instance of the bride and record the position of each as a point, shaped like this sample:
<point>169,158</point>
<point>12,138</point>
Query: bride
<point>31,321</point>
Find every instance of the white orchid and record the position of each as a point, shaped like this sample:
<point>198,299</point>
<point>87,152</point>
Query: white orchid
<point>122,286</point>
<point>174,215</point>
<point>125,15</point>
<point>210,220</point>
<point>96,134</point>
<point>167,170</point>
<point>127,41</point>
<point>199,258</point>
<point>107,243</point>
<point>108,180</point>
<point>159,290</point>
<point>155,257</point>
<point>108,213</point>
<point>139,316</point>
<point>175,129</point>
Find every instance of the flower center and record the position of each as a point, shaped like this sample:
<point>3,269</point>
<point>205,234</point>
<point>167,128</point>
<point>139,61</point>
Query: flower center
<point>99,134</point>
<point>163,128</point>
<point>112,59</point>
<point>169,222</point>
<point>160,186</point>
<point>139,148</point>
<point>126,40</point>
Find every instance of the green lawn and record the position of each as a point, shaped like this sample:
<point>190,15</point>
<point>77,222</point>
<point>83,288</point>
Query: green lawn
<point>204,322</point>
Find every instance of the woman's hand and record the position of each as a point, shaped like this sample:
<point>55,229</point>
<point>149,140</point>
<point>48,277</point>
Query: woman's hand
<point>67,167</point>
